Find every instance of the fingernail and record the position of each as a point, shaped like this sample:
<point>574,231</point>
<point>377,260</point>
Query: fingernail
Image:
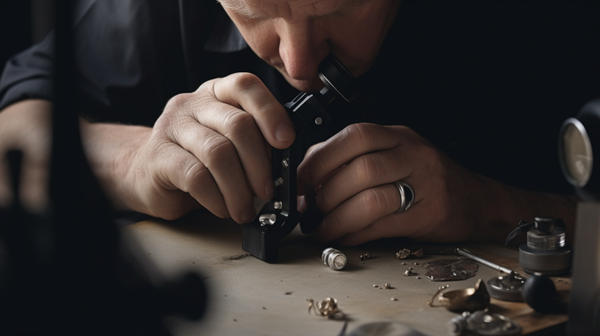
<point>284,132</point>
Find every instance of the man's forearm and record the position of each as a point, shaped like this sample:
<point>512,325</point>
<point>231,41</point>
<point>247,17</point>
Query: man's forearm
<point>26,126</point>
<point>110,149</point>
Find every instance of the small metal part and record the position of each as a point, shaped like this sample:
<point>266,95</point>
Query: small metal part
<point>416,264</point>
<point>365,256</point>
<point>482,322</point>
<point>278,205</point>
<point>402,254</point>
<point>318,121</point>
<point>267,219</point>
<point>393,299</point>
<point>403,263</point>
<point>418,278</point>
<point>417,254</point>
<point>409,272</point>
<point>333,258</point>
<point>278,182</point>
<point>482,261</point>
<point>285,163</point>
<point>327,308</point>
<point>440,289</point>
<point>468,299</point>
<point>387,286</point>
<point>507,287</point>
<point>451,269</point>
<point>375,286</point>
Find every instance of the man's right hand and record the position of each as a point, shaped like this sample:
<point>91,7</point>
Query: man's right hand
<point>207,149</point>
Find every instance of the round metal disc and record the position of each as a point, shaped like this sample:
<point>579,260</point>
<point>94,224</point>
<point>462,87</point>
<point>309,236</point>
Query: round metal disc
<point>499,289</point>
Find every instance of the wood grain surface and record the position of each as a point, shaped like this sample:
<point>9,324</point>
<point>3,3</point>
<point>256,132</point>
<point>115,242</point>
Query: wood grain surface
<point>251,297</point>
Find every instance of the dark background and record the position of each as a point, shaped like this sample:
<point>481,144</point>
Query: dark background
<point>513,22</point>
<point>23,22</point>
<point>495,63</point>
<point>503,74</point>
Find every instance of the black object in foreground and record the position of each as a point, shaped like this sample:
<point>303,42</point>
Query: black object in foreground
<point>309,113</point>
<point>69,270</point>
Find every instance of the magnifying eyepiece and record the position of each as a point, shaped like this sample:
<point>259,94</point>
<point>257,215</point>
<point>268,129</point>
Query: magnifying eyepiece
<point>336,77</point>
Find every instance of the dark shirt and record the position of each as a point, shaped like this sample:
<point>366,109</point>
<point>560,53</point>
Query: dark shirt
<point>487,83</point>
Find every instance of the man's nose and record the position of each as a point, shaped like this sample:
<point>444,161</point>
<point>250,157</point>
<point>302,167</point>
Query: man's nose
<point>302,49</point>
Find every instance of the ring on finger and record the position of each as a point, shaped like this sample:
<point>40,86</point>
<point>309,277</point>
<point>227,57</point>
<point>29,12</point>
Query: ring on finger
<point>407,196</point>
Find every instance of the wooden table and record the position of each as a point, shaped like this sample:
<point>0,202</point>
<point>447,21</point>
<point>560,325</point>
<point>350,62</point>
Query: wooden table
<point>251,297</point>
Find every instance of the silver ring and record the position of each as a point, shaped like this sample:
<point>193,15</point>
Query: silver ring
<point>407,196</point>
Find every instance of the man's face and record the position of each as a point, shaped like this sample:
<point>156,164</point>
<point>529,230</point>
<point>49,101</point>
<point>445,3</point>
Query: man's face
<point>294,36</point>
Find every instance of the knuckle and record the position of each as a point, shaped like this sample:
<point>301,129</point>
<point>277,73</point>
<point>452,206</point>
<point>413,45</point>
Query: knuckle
<point>375,200</point>
<point>244,80</point>
<point>405,132</point>
<point>208,85</point>
<point>177,102</point>
<point>357,135</point>
<point>219,151</point>
<point>194,174</point>
<point>173,115</point>
<point>431,153</point>
<point>371,168</point>
<point>238,124</point>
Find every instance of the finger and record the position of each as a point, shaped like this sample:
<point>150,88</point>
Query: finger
<point>246,91</point>
<point>246,129</point>
<point>312,148</point>
<point>393,225</point>
<point>358,212</point>
<point>241,130</point>
<point>418,223</point>
<point>366,171</point>
<point>303,187</point>
<point>353,141</point>
<point>187,174</point>
<point>219,156</point>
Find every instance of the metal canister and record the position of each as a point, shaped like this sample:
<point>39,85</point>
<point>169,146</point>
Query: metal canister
<point>335,259</point>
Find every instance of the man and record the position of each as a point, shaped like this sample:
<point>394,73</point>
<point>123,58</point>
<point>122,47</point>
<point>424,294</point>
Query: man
<point>209,148</point>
